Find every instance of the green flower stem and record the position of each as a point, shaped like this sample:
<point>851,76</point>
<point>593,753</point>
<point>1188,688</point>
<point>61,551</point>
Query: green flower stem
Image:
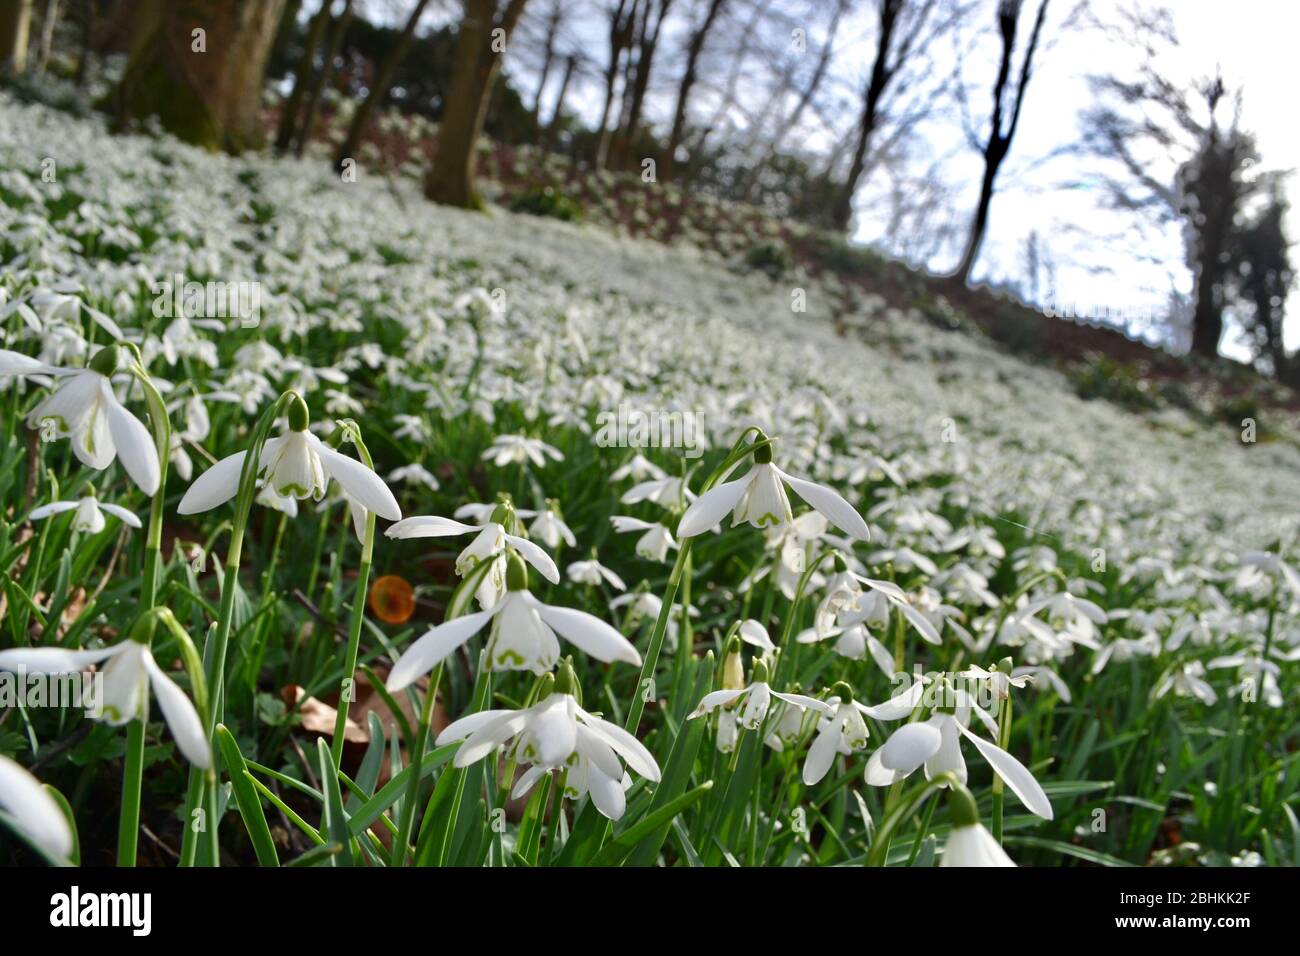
<point>1004,741</point>
<point>402,842</point>
<point>128,826</point>
<point>900,642</point>
<point>482,691</point>
<point>215,648</point>
<point>637,707</point>
<point>685,638</point>
<point>904,810</point>
<point>557,811</point>
<point>347,691</point>
<point>358,609</point>
<point>921,831</point>
<point>788,650</point>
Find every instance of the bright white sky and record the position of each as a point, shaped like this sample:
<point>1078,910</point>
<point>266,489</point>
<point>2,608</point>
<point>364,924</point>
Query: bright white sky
<point>1254,45</point>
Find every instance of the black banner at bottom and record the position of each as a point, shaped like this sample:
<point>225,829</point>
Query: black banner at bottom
<point>304,906</point>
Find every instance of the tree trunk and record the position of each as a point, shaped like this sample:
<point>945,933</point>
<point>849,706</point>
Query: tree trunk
<point>622,22</point>
<point>15,31</point>
<point>999,141</point>
<point>288,25</point>
<point>552,31</point>
<point>881,73</point>
<point>87,42</point>
<point>48,20</point>
<point>648,43</point>
<point>379,90</point>
<point>693,51</point>
<point>451,178</point>
<point>552,127</point>
<point>302,77</point>
<point>308,128</point>
<point>980,225</point>
<point>199,65</point>
<point>1207,319</point>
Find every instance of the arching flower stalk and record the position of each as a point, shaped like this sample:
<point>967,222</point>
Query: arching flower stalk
<point>248,465</point>
<point>160,424</point>
<point>129,674</point>
<point>84,409</point>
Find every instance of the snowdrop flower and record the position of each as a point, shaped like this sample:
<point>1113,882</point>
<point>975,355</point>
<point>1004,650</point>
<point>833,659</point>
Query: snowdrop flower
<point>506,449</point>
<point>550,529</point>
<point>904,559</point>
<point>416,473</point>
<point>37,815</point>
<point>979,540</point>
<point>1124,649</point>
<point>1270,564</point>
<point>592,573</point>
<point>482,512</point>
<point>413,427</point>
<point>1045,677</point>
<point>969,843</point>
<point>665,492</point>
<point>89,517</point>
<point>267,498</point>
<point>294,464</point>
<point>791,546</point>
<point>965,585</point>
<point>759,498</point>
<point>841,731</point>
<point>654,544</point>
<point>1186,680</point>
<point>644,605</point>
<point>790,725</point>
<point>84,409</point>
<point>556,734</point>
<point>757,699</point>
<point>854,642</point>
<point>638,468</point>
<point>1075,618</point>
<point>522,635</point>
<point>935,744</point>
<point>1256,676</point>
<point>1000,679</point>
<point>128,676</point>
<point>491,543</point>
<point>752,632</point>
<point>853,598</point>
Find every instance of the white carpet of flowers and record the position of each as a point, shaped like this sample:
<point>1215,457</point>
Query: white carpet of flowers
<point>1134,569</point>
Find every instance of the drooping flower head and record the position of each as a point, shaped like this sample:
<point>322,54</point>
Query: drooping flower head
<point>295,464</point>
<point>84,409</point>
<point>556,734</point>
<point>522,635</point>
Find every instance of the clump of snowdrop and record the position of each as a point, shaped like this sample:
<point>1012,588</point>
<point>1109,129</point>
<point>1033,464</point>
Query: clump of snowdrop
<point>89,517</point>
<point>130,672</point>
<point>295,464</point>
<point>85,409</point>
<point>522,635</point>
<point>557,735</point>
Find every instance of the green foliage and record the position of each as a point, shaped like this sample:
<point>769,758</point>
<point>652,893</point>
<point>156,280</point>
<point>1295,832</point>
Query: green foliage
<point>547,201</point>
<point>1101,377</point>
<point>772,258</point>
